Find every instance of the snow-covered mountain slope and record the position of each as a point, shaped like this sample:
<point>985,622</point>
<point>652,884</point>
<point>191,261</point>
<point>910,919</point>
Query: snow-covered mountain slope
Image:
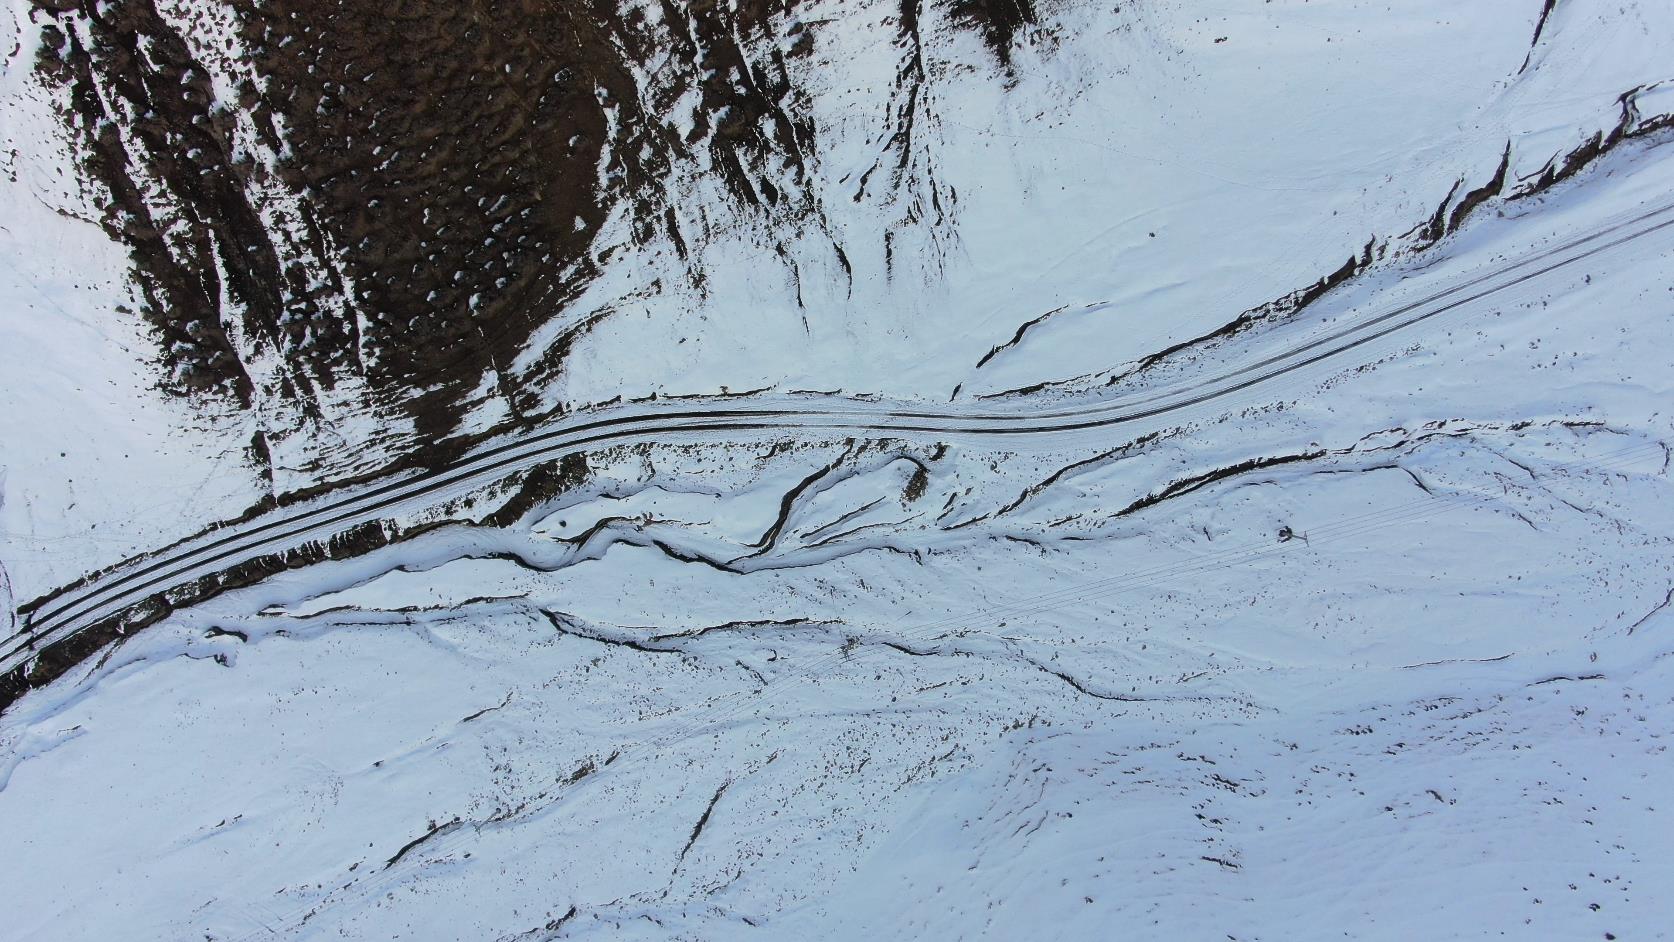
<point>1374,645</point>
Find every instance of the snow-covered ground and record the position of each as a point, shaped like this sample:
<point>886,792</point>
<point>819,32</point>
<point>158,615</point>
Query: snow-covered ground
<point>1380,649</point>
<point>1439,708</point>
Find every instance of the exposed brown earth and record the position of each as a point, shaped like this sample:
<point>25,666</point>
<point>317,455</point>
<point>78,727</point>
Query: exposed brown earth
<point>403,191</point>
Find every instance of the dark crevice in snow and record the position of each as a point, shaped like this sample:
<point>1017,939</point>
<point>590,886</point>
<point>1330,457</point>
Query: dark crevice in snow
<point>788,502</point>
<point>1084,690</point>
<point>1457,660</point>
<point>762,681</point>
<point>910,651</point>
<point>445,608</point>
<point>570,625</point>
<point>1563,677</point>
<point>1630,125</point>
<point>1540,27</point>
<point>845,518</point>
<point>1017,337</point>
<point>1199,481</point>
<point>1070,470</point>
<point>1432,231</point>
<point>1223,862</point>
<point>697,558</point>
<point>837,537</point>
<point>410,846</point>
<point>1286,306</point>
<point>1662,606</point>
<point>702,821</point>
<point>747,625</point>
<point>552,930</point>
<point>1481,194</point>
<point>487,710</point>
<point>1414,475</point>
<point>1447,218</point>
